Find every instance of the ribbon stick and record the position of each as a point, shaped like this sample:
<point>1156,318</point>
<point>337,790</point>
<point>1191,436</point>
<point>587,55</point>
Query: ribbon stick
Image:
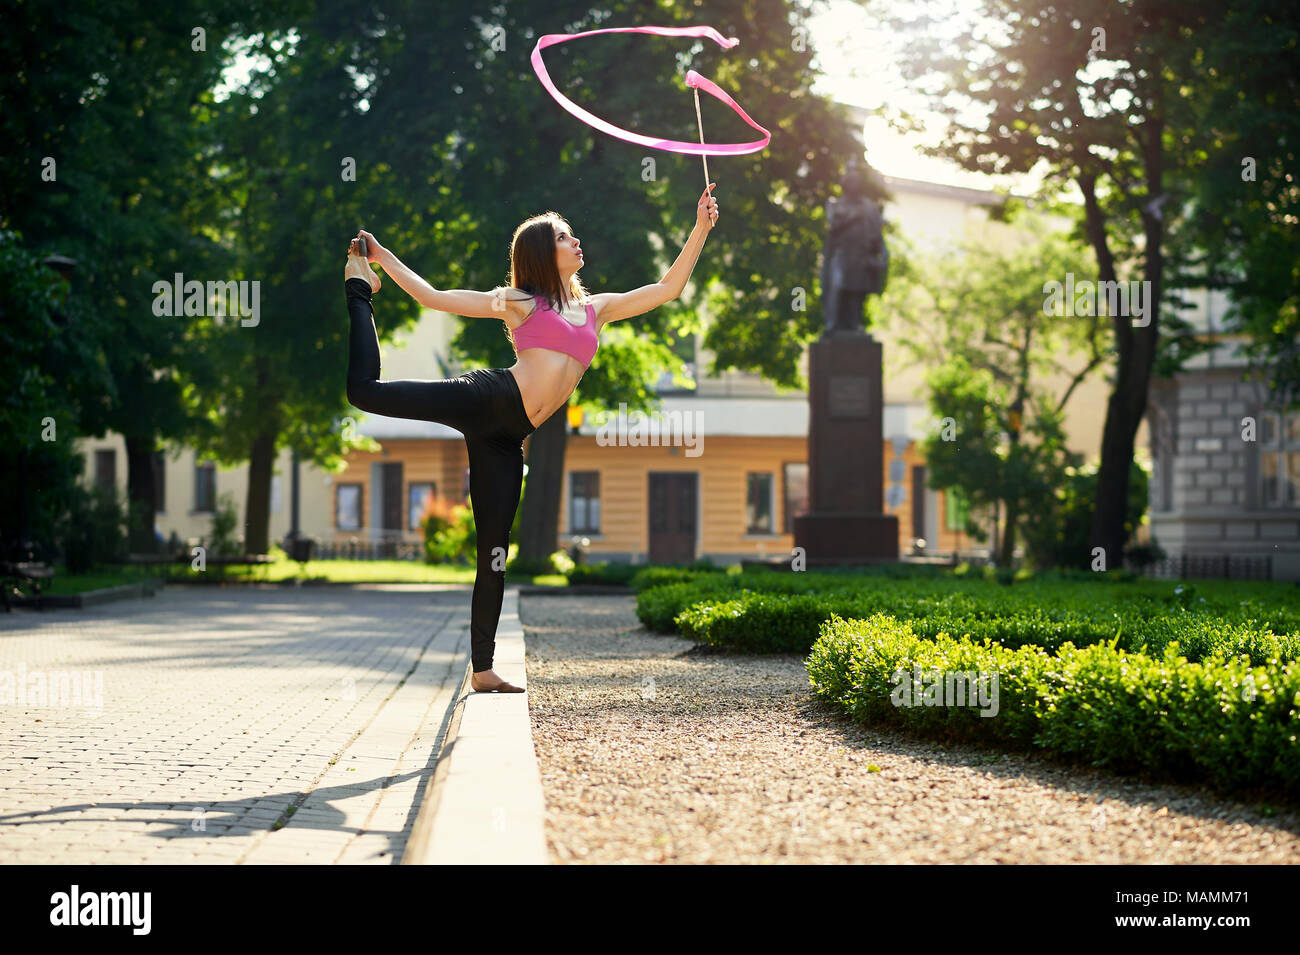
<point>704,159</point>
<point>693,80</point>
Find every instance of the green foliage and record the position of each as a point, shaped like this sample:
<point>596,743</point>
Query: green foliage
<point>52,370</point>
<point>93,529</point>
<point>222,539</point>
<point>659,576</point>
<point>557,562</point>
<point>981,316</point>
<point>603,572</point>
<point>758,616</point>
<point>1224,720</point>
<point>1244,206</point>
<point>1058,534</point>
<point>450,536</point>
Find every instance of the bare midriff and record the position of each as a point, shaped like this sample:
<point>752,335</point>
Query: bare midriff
<point>546,378</point>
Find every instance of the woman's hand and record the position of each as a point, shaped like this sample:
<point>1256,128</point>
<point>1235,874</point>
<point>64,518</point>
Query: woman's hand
<point>373,248</point>
<point>706,213</point>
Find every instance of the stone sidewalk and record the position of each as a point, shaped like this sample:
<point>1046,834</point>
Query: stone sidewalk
<point>184,728</point>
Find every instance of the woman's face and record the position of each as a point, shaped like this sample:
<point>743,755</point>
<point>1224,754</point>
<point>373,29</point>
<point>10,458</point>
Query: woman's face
<point>568,252</point>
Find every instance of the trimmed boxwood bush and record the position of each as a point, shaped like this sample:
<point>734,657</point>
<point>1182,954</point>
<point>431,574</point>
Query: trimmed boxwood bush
<point>1222,720</point>
<point>786,614</point>
<point>627,574</point>
<point>659,576</point>
<point>788,623</point>
<point>604,572</point>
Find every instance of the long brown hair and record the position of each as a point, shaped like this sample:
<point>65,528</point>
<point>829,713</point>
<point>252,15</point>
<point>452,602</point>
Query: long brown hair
<point>532,264</point>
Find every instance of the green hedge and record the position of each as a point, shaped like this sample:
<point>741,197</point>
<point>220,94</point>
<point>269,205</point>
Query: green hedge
<point>603,572</point>
<point>658,576</point>
<point>788,623</point>
<point>640,576</point>
<point>1222,720</point>
<point>784,615</point>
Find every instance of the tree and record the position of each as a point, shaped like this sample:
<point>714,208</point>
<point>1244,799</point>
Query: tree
<point>979,318</point>
<point>111,117</point>
<point>1093,91</point>
<point>50,371</point>
<point>1246,205</point>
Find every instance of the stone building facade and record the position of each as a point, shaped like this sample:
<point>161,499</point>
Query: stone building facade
<point>1225,483</point>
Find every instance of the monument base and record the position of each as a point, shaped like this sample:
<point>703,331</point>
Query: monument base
<point>831,538</point>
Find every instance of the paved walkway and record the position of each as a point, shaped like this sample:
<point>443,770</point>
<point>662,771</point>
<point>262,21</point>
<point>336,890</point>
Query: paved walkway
<point>204,717</point>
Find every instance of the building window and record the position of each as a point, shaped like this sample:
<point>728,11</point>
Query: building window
<point>347,507</point>
<point>758,502</point>
<point>796,493</point>
<point>106,468</point>
<point>1279,459</point>
<point>584,502</point>
<point>160,481</point>
<point>205,486</point>
<point>955,510</point>
<point>417,499</point>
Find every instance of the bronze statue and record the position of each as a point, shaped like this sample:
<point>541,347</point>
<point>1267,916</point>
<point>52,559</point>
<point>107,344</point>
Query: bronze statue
<point>855,260</point>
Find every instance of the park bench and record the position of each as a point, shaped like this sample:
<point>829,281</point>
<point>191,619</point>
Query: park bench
<point>15,574</point>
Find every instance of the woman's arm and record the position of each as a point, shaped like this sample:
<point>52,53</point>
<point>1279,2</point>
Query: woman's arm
<point>617,306</point>
<point>674,279</point>
<point>706,214</point>
<point>411,283</point>
<point>466,302</point>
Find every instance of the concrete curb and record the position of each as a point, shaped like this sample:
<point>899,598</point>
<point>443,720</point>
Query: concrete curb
<point>89,598</point>
<point>592,590</point>
<point>484,804</point>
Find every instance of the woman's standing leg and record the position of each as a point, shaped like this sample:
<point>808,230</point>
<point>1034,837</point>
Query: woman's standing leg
<point>496,473</point>
<point>455,402</point>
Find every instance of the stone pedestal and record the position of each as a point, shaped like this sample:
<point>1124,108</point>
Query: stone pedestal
<point>846,523</point>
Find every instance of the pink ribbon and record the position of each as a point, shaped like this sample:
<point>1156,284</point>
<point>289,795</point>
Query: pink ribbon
<point>693,79</point>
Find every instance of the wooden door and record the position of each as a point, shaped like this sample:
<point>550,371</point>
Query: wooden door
<point>673,516</point>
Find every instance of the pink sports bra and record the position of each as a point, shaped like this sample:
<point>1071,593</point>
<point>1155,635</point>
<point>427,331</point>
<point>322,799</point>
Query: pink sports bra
<point>547,328</point>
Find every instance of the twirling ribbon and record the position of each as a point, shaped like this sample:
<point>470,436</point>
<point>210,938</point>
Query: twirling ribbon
<point>693,79</point>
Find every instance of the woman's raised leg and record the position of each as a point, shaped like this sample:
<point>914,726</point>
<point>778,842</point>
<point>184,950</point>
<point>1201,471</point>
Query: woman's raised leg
<point>451,401</point>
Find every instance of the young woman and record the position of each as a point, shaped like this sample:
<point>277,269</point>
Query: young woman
<point>553,326</point>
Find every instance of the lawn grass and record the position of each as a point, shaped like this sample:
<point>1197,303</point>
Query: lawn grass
<point>283,569</point>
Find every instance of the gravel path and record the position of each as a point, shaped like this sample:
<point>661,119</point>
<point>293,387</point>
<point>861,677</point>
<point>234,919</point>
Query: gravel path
<point>653,751</point>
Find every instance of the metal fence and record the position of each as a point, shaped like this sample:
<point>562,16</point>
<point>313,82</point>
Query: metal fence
<point>368,550</point>
<point>1220,566</point>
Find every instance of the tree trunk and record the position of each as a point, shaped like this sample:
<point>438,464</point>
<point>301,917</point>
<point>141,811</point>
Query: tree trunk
<point>141,494</point>
<point>1006,552</point>
<point>539,525</point>
<point>1135,360</point>
<point>257,507</point>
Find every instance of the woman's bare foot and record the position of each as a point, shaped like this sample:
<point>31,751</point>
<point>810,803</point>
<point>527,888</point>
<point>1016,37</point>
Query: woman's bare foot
<point>359,268</point>
<point>486,681</point>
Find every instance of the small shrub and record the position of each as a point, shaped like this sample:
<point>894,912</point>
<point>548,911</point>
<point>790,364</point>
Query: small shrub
<point>603,572</point>
<point>94,529</point>
<point>222,541</point>
<point>449,532</point>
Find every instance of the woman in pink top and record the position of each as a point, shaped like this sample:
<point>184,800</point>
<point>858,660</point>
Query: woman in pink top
<point>553,325</point>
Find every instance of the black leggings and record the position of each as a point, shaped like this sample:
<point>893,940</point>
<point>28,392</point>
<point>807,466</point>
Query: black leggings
<point>486,407</point>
